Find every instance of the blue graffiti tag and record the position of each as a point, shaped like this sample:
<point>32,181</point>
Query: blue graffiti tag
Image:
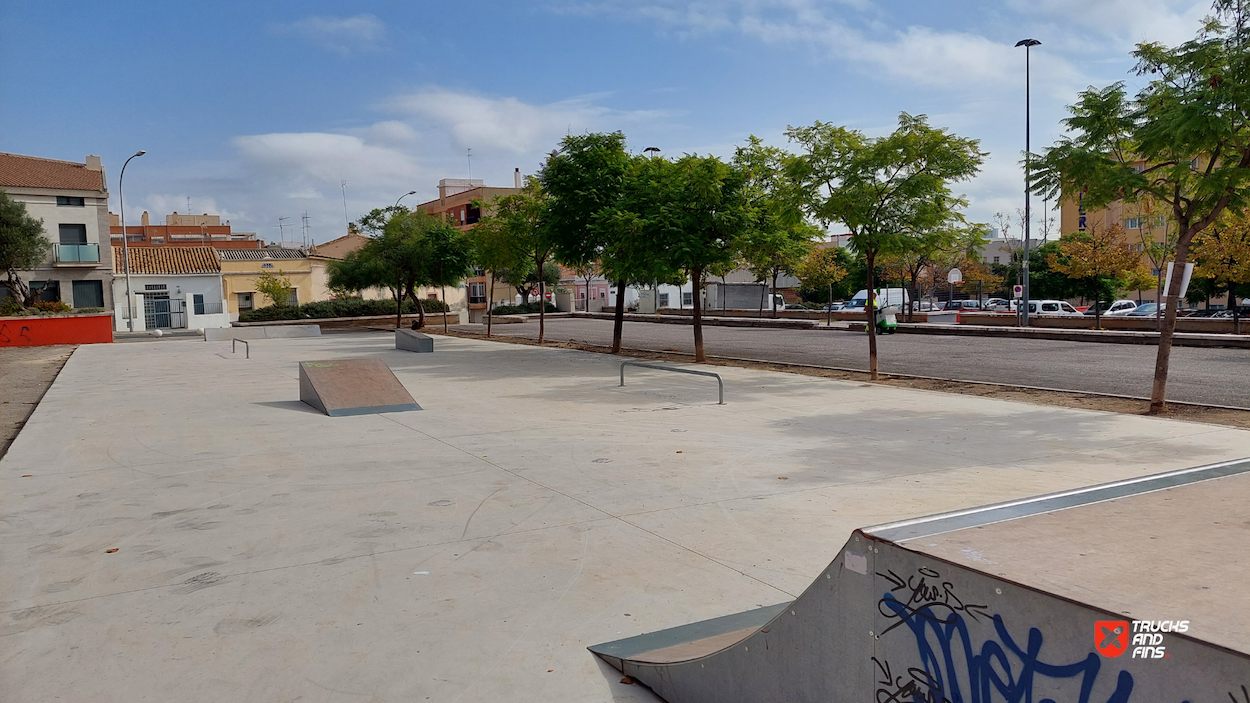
<point>989,671</point>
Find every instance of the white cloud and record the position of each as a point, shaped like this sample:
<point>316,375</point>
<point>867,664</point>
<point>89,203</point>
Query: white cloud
<point>342,35</point>
<point>509,124</point>
<point>1125,22</point>
<point>327,157</point>
<point>158,205</point>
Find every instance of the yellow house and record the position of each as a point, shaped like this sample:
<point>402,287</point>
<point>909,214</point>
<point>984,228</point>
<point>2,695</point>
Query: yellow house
<point>240,267</point>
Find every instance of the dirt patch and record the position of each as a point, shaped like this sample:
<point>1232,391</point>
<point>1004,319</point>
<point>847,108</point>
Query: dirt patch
<point>1065,399</point>
<point>25,375</point>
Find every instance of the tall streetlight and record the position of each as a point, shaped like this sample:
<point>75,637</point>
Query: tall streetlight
<point>411,192</point>
<point>1028,153</point>
<point>121,199</point>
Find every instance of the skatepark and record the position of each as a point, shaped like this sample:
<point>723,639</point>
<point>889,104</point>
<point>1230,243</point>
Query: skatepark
<point>177,525</point>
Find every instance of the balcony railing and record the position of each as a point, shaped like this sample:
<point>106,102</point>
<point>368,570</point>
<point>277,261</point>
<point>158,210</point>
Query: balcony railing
<point>77,253</point>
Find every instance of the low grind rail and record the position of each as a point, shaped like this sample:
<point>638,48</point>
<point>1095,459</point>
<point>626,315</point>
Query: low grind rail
<point>719,383</point>
<point>246,347</point>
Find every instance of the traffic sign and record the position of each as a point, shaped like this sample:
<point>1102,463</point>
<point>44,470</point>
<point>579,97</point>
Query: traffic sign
<point>1018,291</point>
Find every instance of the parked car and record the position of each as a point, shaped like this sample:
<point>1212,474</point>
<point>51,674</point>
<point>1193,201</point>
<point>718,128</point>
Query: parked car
<point>795,306</point>
<point>1053,307</point>
<point>1145,310</point>
<point>995,304</point>
<point>1118,308</point>
<point>833,307</point>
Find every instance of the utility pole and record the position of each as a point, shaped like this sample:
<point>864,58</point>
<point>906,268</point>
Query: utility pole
<point>1028,153</point>
<point>346,223</point>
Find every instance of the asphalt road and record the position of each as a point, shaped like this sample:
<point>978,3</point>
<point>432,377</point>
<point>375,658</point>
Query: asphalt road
<point>1210,376</point>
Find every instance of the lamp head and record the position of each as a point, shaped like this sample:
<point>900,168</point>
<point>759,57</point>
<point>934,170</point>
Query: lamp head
<point>140,152</point>
<point>1028,42</point>
<point>411,192</point>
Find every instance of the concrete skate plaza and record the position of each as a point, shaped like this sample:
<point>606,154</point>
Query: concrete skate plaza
<point>472,550</point>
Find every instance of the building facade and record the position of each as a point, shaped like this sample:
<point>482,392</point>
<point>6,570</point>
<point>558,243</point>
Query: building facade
<point>174,287</point>
<point>71,199</point>
<point>182,231</point>
<point>241,267</point>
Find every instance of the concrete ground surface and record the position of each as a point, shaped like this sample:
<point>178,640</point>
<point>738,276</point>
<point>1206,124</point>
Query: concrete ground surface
<point>25,374</point>
<point>469,551</point>
<point>1211,376</point>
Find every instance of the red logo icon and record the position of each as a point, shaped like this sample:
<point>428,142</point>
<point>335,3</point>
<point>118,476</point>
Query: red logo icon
<point>1111,637</point>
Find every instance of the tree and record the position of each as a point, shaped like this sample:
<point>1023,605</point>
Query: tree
<point>585,184</point>
<point>22,246</point>
<point>822,268</point>
<point>276,286</point>
<point>1223,256</point>
<point>778,238</point>
<point>1100,259</point>
<point>521,218</point>
<point>449,254</point>
<point>498,254</point>
<point>1183,141</point>
<point>887,191</point>
<point>690,215</point>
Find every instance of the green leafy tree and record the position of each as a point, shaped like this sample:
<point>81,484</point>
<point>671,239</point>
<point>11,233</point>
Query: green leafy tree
<point>522,220</point>
<point>449,253</point>
<point>822,268</point>
<point>887,191</point>
<point>585,183</point>
<point>778,237</point>
<point>1223,254</point>
<point>693,213</point>
<point>22,247</point>
<point>275,286</point>
<point>498,254</point>
<point>1183,142</point>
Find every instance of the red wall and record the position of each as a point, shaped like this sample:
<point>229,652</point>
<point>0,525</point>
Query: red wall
<point>45,331</point>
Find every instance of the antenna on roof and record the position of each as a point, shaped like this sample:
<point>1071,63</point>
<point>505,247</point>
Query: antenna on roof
<point>469,154</point>
<point>188,205</point>
<point>304,227</point>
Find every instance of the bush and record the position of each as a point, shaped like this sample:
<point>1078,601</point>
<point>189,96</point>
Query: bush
<point>339,307</point>
<point>527,309</point>
<point>49,307</point>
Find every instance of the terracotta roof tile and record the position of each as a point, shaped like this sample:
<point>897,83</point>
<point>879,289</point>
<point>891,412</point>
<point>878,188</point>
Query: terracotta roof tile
<point>19,171</point>
<point>168,260</point>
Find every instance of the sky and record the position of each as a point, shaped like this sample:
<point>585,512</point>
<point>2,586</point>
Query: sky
<point>261,110</point>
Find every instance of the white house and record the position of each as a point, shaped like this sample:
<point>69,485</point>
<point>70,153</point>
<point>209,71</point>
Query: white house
<point>71,199</point>
<point>175,286</point>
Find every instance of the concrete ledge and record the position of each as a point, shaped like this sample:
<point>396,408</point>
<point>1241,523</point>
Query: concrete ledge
<point>711,321</point>
<point>221,334</point>
<point>413,341</point>
<point>361,322</point>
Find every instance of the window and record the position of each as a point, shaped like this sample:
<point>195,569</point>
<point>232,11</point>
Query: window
<point>155,286</point>
<point>1139,168</point>
<point>69,201</point>
<point>88,294</point>
<point>431,296</point>
<point>245,302</point>
<point>477,292</point>
<point>197,302</point>
<point>1049,307</point>
<point>687,299</point>
<point>292,300</point>
<point>48,291</point>
<point>1132,223</point>
<point>474,214</point>
<point>1160,221</point>
<point>996,259</point>
<point>73,234</point>
<point>479,271</point>
<point>663,300</point>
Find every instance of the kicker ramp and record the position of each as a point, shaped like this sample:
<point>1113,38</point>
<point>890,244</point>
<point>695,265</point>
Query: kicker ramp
<point>1009,602</point>
<point>352,387</point>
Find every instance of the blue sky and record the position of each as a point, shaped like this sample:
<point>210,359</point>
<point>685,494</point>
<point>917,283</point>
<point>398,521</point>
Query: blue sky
<point>260,110</point>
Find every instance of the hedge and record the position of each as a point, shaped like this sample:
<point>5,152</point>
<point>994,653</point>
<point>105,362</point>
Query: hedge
<point>527,309</point>
<point>341,307</point>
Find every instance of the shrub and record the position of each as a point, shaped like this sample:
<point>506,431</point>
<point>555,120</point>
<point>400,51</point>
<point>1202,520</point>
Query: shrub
<point>51,306</point>
<point>339,307</point>
<point>10,307</point>
<point>527,309</point>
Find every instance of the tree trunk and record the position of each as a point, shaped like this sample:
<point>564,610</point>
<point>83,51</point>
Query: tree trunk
<point>870,311</point>
<point>773,294</point>
<point>1097,311</point>
<point>1158,394</point>
<point>699,355</point>
<point>490,303</point>
<point>1232,300</point>
<point>618,324</point>
<point>829,309</point>
<point>760,315</point>
<point>446,307</point>
<point>542,302</point>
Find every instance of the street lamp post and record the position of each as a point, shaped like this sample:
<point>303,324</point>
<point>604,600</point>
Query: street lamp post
<point>411,192</point>
<point>1024,295</point>
<point>121,199</point>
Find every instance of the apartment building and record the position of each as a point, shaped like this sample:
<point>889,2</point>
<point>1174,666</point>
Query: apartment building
<point>182,231</point>
<point>71,199</point>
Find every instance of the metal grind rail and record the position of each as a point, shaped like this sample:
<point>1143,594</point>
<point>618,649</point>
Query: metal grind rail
<point>246,347</point>
<point>719,383</point>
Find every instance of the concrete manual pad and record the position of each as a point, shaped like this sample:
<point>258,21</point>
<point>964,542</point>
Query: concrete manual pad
<point>471,552</point>
<point>413,341</point>
<point>340,387</point>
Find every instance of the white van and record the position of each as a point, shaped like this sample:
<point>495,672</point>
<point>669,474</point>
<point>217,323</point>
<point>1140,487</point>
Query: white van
<point>885,297</point>
<point>1053,307</point>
